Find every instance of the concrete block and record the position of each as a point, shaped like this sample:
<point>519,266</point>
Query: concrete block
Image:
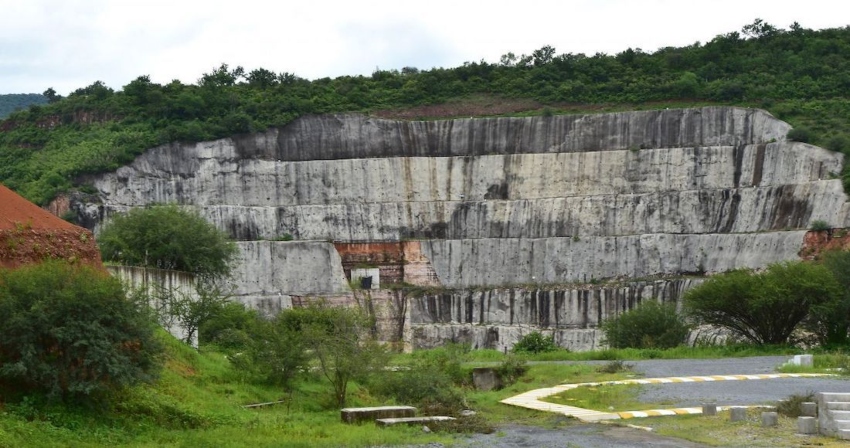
<point>411,420</point>
<point>769,419</point>
<point>807,425</point>
<point>738,414</point>
<point>839,415</point>
<point>840,397</point>
<point>485,378</point>
<point>357,415</point>
<point>809,409</point>
<point>709,409</point>
<point>838,405</point>
<point>803,360</point>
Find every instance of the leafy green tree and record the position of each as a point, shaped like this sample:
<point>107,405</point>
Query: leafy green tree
<point>277,352</point>
<point>230,328</point>
<point>765,307</point>
<point>190,311</point>
<point>543,55</point>
<point>830,320</point>
<point>69,331</point>
<point>649,325</point>
<point>167,237</point>
<point>341,342</point>
<point>262,78</point>
<point>51,95</point>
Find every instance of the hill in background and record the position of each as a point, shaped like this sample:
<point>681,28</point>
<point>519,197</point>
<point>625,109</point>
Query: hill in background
<point>18,101</point>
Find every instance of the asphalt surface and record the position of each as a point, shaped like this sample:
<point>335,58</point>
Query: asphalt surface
<point>729,393</point>
<point>746,392</point>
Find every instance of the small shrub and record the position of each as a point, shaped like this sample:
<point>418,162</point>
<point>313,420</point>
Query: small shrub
<point>820,225</point>
<point>650,325</point>
<point>424,386</point>
<point>433,383</point>
<point>838,143</point>
<point>511,370</point>
<point>615,366</point>
<point>801,134</point>
<point>790,407</point>
<point>535,342</point>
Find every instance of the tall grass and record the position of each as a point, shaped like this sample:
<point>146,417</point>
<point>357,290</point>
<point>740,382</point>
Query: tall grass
<point>197,401</point>
<point>681,352</point>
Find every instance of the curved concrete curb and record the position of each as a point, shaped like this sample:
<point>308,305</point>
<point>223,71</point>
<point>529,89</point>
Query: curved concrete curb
<point>532,399</point>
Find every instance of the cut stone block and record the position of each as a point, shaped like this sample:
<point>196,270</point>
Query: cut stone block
<point>738,414</point>
<point>807,425</point>
<point>411,420</point>
<point>709,409</point>
<point>803,360</point>
<point>485,378</point>
<point>357,415</point>
<point>809,409</point>
<point>769,419</point>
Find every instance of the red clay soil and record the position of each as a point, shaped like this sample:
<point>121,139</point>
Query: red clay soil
<point>816,242</point>
<point>29,234</point>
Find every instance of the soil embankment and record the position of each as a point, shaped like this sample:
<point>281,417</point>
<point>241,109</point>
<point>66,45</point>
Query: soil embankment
<point>29,234</point>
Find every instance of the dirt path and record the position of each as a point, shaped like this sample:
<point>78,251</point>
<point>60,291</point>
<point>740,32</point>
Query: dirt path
<point>579,435</point>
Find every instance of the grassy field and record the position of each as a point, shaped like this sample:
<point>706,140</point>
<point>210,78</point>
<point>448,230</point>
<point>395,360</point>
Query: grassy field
<point>198,401</point>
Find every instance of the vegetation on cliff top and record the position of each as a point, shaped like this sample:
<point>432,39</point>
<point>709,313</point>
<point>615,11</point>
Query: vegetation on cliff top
<point>800,75</point>
<point>18,101</point>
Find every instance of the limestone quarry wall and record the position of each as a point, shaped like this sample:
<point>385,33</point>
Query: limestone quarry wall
<point>507,261</point>
<point>493,202</point>
<point>497,318</point>
<point>155,283</point>
<point>269,273</point>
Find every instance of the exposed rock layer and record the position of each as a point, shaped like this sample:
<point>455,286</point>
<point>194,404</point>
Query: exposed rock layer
<point>496,201</point>
<point>496,318</point>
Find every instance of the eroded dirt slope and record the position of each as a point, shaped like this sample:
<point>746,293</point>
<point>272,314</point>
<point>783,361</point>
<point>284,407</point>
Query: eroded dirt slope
<point>30,234</point>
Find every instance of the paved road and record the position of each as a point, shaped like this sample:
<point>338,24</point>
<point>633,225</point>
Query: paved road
<point>687,394</point>
<point>728,393</point>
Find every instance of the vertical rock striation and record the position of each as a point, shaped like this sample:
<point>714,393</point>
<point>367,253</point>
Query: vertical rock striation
<point>495,201</point>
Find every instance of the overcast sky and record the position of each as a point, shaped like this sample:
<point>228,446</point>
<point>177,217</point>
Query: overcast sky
<point>67,44</point>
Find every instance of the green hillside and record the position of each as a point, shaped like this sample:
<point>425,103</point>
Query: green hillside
<point>800,75</point>
<point>17,101</point>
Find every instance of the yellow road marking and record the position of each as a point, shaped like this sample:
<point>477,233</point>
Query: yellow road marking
<point>531,399</point>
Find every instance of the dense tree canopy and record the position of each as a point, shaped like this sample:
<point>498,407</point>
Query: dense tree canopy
<point>167,237</point>
<point>800,75</point>
<point>764,307</point>
<point>69,331</point>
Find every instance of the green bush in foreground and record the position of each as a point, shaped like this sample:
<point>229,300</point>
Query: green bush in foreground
<point>535,342</point>
<point>765,307</point>
<point>650,325</point>
<point>69,331</point>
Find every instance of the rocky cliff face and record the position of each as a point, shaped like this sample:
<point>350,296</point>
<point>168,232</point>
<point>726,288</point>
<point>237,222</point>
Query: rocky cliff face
<point>498,201</point>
